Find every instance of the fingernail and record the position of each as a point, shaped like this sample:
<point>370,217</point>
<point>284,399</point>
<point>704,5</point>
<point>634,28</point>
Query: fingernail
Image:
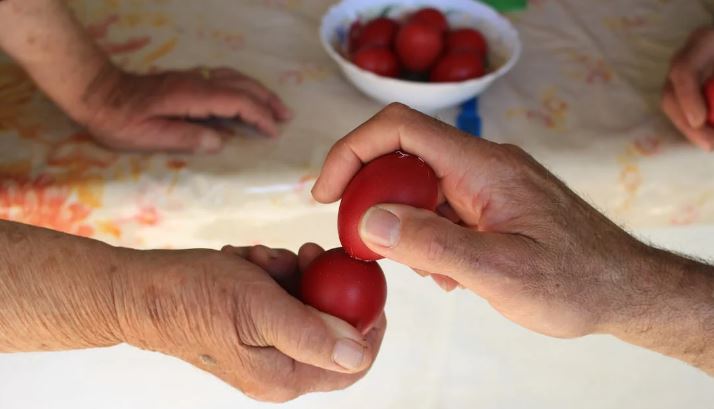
<point>444,286</point>
<point>349,350</point>
<point>209,143</point>
<point>380,227</point>
<point>692,119</point>
<point>709,144</point>
<point>348,354</point>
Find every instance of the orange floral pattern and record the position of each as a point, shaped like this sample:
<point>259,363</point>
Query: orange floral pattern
<point>42,202</point>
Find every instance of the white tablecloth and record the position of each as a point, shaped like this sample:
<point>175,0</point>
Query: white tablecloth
<point>583,100</point>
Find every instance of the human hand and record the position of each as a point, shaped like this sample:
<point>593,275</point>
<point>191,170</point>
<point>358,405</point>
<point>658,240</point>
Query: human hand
<point>158,112</point>
<point>683,99</point>
<point>223,313</point>
<point>508,229</point>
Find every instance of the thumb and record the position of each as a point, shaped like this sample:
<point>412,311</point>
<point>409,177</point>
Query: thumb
<point>315,338</point>
<point>428,242</point>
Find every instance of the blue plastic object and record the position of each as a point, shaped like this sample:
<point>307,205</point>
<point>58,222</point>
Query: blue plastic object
<point>468,119</point>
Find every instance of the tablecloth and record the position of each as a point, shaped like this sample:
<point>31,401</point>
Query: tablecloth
<point>583,100</point>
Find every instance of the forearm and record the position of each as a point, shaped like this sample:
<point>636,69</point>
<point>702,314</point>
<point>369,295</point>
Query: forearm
<point>56,290</point>
<point>672,309</point>
<point>46,40</point>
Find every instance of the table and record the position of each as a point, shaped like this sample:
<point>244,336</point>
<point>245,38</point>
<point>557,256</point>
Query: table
<point>583,100</point>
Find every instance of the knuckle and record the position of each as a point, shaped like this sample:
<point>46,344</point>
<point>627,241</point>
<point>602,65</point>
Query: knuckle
<point>308,339</point>
<point>396,111</point>
<point>513,150</point>
<point>514,159</point>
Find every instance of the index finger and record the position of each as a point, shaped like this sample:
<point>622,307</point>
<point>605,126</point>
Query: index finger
<point>690,68</point>
<point>397,127</point>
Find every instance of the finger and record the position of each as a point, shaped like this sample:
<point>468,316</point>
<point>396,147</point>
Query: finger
<point>690,68</point>
<point>312,379</point>
<point>307,254</point>
<point>241,252</point>
<point>428,242</point>
<point>171,135</point>
<point>281,264</point>
<point>261,93</point>
<point>397,127</point>
<point>447,211</point>
<point>238,80</point>
<point>306,335</point>
<point>446,283</point>
<point>702,137</point>
<point>277,262</point>
<point>688,91</point>
<point>195,98</point>
<point>421,272</point>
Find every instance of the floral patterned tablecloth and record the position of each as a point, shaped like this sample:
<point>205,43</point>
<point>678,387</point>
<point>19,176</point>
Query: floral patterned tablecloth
<point>583,100</point>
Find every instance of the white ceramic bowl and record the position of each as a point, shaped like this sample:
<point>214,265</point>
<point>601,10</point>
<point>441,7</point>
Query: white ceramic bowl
<point>504,50</point>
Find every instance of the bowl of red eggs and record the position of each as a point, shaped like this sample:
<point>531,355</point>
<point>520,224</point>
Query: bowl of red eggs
<point>428,54</point>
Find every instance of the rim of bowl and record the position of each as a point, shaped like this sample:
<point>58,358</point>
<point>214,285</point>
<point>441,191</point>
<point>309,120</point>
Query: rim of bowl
<point>491,76</point>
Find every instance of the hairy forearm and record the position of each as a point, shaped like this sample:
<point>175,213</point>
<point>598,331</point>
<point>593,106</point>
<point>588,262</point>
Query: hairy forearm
<point>46,40</point>
<point>671,310</point>
<point>56,290</point>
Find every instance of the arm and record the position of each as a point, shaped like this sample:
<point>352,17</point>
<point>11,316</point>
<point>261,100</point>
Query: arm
<point>671,310</point>
<point>511,232</point>
<point>121,110</point>
<point>55,291</point>
<point>218,310</point>
<point>46,40</point>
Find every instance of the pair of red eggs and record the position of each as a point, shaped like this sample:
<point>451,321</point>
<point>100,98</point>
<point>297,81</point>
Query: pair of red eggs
<point>347,282</point>
<point>423,47</point>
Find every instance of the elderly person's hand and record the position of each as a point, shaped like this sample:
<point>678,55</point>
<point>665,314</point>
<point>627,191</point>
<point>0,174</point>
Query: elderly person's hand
<point>227,312</point>
<point>153,112</point>
<point>159,111</point>
<point>683,99</point>
<point>511,232</point>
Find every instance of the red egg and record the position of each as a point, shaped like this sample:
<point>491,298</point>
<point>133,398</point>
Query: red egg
<point>458,67</point>
<point>419,45</point>
<point>432,17</point>
<point>379,60</point>
<point>394,178</point>
<point>466,39</point>
<point>379,32</point>
<point>352,290</point>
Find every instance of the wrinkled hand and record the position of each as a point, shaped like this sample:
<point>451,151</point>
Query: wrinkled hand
<point>683,100</point>
<point>507,229</point>
<point>223,312</point>
<point>153,112</point>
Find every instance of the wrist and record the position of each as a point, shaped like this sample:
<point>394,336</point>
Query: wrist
<point>667,306</point>
<point>154,294</point>
<point>98,96</point>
